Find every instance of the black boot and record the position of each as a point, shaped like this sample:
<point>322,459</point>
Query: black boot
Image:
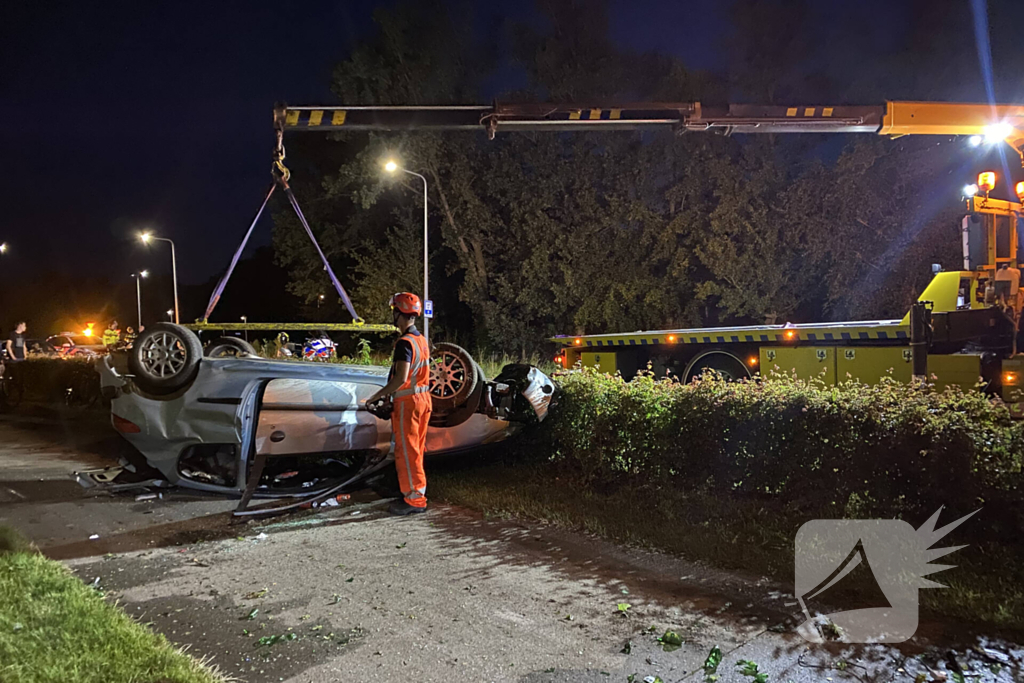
<point>401,508</point>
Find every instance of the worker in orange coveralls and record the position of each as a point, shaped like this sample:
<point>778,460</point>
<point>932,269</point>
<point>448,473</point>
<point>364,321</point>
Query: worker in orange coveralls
<point>409,384</point>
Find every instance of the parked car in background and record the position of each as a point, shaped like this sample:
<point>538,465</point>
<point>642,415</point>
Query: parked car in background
<point>66,345</point>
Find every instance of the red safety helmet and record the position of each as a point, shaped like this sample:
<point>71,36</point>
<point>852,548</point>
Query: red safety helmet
<point>406,303</point>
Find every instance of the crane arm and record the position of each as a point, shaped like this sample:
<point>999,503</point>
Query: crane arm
<point>1001,121</point>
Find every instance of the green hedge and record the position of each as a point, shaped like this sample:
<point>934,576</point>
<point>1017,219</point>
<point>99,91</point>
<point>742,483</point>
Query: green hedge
<point>46,380</point>
<point>887,448</point>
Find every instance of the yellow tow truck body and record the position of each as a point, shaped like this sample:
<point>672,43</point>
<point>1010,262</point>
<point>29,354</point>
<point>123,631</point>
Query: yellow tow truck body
<point>972,335</point>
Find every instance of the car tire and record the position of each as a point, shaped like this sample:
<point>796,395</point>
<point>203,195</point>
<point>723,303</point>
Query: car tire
<point>229,347</point>
<point>454,376</point>
<point>165,358</point>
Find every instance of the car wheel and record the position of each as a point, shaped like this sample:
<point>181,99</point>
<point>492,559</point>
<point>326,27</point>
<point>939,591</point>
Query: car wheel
<point>455,417</point>
<point>229,347</point>
<point>453,377</point>
<point>165,358</point>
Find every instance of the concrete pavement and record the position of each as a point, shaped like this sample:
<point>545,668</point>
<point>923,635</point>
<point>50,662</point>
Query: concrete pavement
<point>350,594</point>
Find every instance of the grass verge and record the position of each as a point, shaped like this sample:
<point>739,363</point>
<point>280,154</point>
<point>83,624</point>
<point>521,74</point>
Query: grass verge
<point>734,532</point>
<point>55,628</point>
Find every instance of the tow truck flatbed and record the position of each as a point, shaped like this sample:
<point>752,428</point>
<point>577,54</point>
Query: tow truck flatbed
<point>821,333</point>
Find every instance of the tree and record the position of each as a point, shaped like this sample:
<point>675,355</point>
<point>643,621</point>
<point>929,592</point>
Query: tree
<point>540,234</point>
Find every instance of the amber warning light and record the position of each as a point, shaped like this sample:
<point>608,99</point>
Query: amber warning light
<point>987,181</point>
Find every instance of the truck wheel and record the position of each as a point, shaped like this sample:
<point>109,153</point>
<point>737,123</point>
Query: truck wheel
<point>453,377</point>
<point>726,364</point>
<point>229,347</point>
<point>165,358</point>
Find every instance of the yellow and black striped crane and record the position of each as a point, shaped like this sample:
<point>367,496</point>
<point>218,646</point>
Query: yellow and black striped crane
<point>999,121</point>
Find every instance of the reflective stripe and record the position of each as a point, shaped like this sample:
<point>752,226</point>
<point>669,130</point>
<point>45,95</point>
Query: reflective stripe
<point>410,392</point>
<point>401,437</point>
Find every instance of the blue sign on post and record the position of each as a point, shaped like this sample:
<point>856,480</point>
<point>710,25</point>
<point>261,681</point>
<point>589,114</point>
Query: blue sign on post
<point>428,309</point>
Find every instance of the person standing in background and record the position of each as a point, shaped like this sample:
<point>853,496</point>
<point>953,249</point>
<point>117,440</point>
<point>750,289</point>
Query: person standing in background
<point>17,350</point>
<point>111,335</point>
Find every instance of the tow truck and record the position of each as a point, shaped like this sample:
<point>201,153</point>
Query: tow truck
<point>964,328</point>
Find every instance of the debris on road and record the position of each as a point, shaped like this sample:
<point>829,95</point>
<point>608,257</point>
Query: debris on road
<point>711,664</point>
<point>332,502</point>
<point>670,641</point>
<point>750,669</point>
<point>276,638</point>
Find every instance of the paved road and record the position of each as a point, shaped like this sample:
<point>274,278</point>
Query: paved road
<point>446,596</point>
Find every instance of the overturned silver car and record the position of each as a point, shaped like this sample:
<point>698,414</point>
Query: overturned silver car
<point>228,421</point>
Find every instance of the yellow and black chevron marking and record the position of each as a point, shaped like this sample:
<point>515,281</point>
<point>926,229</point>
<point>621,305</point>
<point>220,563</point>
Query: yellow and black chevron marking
<point>311,118</point>
<point>200,326</point>
<point>774,335</point>
<point>820,112</point>
<point>594,115</point>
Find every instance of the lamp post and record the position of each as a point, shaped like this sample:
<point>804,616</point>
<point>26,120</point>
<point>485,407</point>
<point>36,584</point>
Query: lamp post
<point>138,290</point>
<point>146,237</point>
<point>170,314</point>
<point>319,300</point>
<point>245,331</point>
<point>391,167</point>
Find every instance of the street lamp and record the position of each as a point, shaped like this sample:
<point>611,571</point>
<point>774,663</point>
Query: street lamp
<point>319,300</point>
<point>146,237</point>
<point>245,319</point>
<point>391,166</point>
<point>138,290</point>
<point>170,314</point>
<point>3,248</point>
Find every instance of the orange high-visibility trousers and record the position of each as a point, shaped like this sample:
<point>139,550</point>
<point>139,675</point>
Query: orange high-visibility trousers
<point>409,425</point>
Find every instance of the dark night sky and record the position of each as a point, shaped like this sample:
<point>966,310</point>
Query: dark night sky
<point>121,116</point>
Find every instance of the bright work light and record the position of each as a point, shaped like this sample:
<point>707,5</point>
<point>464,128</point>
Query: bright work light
<point>997,131</point>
